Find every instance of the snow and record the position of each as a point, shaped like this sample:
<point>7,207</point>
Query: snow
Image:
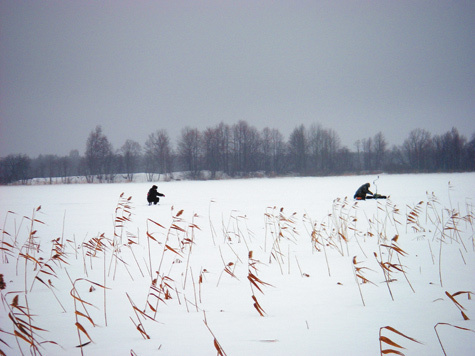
<point>310,299</point>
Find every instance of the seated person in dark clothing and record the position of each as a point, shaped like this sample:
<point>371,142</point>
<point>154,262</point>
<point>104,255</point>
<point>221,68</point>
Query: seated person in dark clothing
<point>153,195</point>
<point>362,192</point>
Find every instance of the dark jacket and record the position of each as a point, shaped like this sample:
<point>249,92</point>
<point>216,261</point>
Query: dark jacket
<point>362,191</point>
<point>153,195</point>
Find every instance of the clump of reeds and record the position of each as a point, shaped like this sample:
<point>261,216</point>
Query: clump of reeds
<point>281,228</point>
<point>46,268</point>
<point>24,330</point>
<point>28,252</point>
<point>160,291</point>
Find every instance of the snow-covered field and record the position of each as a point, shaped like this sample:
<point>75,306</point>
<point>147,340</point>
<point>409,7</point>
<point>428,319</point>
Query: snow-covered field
<point>192,275</point>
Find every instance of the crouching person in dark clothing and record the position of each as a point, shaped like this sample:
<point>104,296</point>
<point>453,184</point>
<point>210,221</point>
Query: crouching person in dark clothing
<point>153,195</point>
<point>362,192</point>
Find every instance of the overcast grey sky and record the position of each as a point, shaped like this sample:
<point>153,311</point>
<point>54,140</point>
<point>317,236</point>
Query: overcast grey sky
<point>358,67</point>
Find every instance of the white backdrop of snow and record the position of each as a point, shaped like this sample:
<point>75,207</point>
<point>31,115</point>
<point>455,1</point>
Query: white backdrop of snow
<point>309,311</point>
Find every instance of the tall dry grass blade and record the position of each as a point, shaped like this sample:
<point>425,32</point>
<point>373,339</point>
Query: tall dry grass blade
<point>216,344</point>
<point>388,341</point>
<point>138,312</point>
<point>457,304</point>
<point>257,306</point>
<point>447,324</point>
<point>358,273</point>
<point>385,270</point>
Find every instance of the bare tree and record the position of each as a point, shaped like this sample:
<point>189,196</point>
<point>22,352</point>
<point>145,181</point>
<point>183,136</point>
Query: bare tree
<point>65,169</point>
<point>417,148</point>
<point>158,154</point>
<point>245,148</point>
<point>99,157</point>
<point>298,149</point>
<point>470,154</point>
<point>273,150</point>
<point>331,147</point>
<point>379,150</point>
<point>449,151</point>
<point>46,166</point>
<point>323,146</point>
<point>189,151</point>
<point>216,149</point>
<point>358,155</point>
<point>131,153</point>
<point>15,168</point>
<point>368,154</point>
<point>395,160</point>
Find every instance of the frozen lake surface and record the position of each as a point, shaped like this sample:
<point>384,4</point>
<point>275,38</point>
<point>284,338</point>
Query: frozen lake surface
<point>283,266</point>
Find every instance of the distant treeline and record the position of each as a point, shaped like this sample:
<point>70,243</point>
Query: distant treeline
<point>240,150</point>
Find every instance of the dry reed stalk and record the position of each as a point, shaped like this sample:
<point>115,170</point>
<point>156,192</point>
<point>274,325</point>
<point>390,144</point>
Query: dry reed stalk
<point>213,231</point>
<point>267,222</point>
<point>358,273</point>
<point>385,268</point>
<point>18,229</point>
<point>255,282</point>
<point>457,304</point>
<point>227,267</point>
<point>454,326</point>
<point>469,220</point>
<point>139,313</point>
<point>48,270</point>
<point>161,292</point>
<point>316,234</point>
<point>352,227</point>
<point>77,313</point>
<point>238,259</point>
<point>122,215</point>
<point>340,217</point>
<point>94,246</point>
<point>6,248</point>
<point>333,238</point>
<point>440,255</point>
<point>412,218</point>
<point>190,242</point>
<point>217,345</point>
<point>239,232</point>
<point>174,228</point>
<point>194,289</point>
<point>131,241</point>
<point>300,269</point>
<point>386,340</point>
<point>282,229</point>
<point>150,237</point>
<point>31,247</point>
<point>391,212</point>
<point>200,281</point>
<point>431,253</point>
<point>453,228</point>
<point>399,252</point>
